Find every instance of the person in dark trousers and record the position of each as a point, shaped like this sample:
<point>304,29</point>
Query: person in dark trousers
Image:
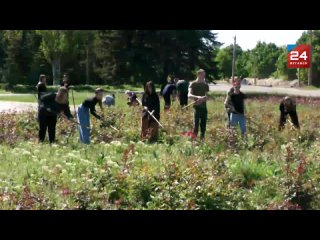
<point>198,90</point>
<point>288,107</point>
<point>132,98</point>
<point>51,105</point>
<point>83,115</point>
<point>168,90</point>
<point>150,102</point>
<point>235,103</point>
<point>182,92</point>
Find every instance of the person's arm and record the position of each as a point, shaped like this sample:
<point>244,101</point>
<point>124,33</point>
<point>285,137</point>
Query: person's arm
<point>47,98</point>
<point>66,111</point>
<point>281,107</point>
<point>94,113</point>
<point>228,103</point>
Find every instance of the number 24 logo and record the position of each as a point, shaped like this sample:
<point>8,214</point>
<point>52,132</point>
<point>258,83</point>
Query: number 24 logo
<point>294,55</point>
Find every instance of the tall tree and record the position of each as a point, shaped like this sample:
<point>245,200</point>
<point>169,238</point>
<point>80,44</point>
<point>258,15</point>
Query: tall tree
<point>283,72</point>
<point>54,44</point>
<point>224,61</point>
<point>266,58</point>
<point>142,55</point>
<point>304,39</point>
<point>20,49</point>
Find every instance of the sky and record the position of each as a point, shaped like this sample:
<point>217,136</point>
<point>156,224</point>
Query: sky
<point>247,39</point>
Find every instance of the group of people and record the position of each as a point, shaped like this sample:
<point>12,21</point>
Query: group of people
<point>52,105</point>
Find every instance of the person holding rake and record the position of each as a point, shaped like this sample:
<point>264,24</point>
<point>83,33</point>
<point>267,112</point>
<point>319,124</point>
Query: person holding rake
<point>151,103</point>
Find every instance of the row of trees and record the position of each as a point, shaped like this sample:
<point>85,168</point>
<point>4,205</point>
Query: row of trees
<point>105,56</point>
<point>135,56</point>
<point>268,60</point>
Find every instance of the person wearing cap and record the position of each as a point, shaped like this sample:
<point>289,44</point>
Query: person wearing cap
<point>198,90</point>
<point>109,100</point>
<point>235,103</point>
<point>288,107</point>
<point>83,116</point>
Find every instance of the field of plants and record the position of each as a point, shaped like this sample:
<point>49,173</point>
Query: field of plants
<point>268,170</point>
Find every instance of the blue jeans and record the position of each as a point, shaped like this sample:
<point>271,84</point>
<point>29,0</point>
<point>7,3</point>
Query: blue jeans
<point>84,128</point>
<point>240,119</point>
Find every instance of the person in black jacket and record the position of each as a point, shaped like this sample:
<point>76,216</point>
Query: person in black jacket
<point>42,85</point>
<point>51,105</point>
<point>41,89</point>
<point>65,81</point>
<point>288,107</point>
<point>84,117</point>
<point>150,102</point>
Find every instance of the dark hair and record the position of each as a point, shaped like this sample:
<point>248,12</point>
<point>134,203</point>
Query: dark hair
<point>41,77</point>
<point>150,83</point>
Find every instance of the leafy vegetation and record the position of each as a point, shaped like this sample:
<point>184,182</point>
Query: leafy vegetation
<point>269,170</point>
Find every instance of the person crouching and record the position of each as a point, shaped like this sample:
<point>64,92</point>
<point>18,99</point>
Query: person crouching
<point>288,107</point>
<point>51,105</point>
<point>84,117</point>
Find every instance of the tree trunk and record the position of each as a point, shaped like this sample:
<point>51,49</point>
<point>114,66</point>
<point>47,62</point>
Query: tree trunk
<point>87,67</point>
<point>56,71</point>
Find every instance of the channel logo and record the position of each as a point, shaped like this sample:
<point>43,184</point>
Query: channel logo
<point>299,56</point>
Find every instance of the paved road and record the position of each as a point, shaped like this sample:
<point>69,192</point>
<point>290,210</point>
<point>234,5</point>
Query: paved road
<point>20,107</point>
<point>17,106</point>
<point>269,90</point>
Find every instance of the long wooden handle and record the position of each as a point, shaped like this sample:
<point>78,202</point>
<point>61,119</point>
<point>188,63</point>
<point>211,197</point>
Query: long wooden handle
<point>151,114</point>
<point>191,103</point>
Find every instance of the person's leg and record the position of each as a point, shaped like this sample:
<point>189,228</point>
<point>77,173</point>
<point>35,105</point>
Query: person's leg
<point>196,121</point>
<point>243,124</point>
<point>42,127</point>
<point>186,99</point>
<point>203,122</point>
<point>84,128</point>
<point>234,120</point>
<point>144,127</point>
<point>167,102</point>
<point>282,121</point>
<point>154,131</point>
<point>229,119</point>
<point>80,127</point>
<point>295,120</point>
<point>52,122</point>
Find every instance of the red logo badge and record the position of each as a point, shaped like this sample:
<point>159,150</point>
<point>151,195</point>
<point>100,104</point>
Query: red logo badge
<point>299,56</point>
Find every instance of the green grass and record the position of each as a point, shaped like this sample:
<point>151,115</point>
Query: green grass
<point>80,93</point>
<point>119,171</point>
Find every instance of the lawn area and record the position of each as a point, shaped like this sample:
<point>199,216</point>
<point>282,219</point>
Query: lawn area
<point>80,93</point>
<point>269,170</point>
